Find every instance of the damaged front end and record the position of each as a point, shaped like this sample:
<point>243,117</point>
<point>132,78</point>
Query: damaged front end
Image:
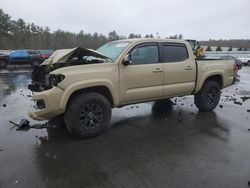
<point>42,79</point>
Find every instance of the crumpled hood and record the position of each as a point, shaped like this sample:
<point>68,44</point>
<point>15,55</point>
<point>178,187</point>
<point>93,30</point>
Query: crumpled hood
<point>63,55</point>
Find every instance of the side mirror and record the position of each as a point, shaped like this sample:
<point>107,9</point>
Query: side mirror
<point>126,60</point>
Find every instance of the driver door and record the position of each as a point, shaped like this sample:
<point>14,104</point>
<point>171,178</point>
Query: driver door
<point>142,79</point>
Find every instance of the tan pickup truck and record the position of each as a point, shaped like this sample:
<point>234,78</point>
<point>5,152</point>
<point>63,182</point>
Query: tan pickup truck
<point>83,85</point>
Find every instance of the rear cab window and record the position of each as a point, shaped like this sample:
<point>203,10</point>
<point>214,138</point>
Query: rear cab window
<point>174,52</point>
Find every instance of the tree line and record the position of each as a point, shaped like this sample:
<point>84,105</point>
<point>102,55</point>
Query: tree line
<point>240,44</point>
<point>17,34</point>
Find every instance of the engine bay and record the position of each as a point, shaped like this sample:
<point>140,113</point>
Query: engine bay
<point>42,79</point>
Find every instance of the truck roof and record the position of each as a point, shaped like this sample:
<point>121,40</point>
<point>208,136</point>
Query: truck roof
<point>152,40</point>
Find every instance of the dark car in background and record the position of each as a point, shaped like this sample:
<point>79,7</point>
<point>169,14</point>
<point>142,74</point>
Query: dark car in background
<point>45,54</point>
<point>237,61</point>
<point>4,59</point>
<point>25,57</point>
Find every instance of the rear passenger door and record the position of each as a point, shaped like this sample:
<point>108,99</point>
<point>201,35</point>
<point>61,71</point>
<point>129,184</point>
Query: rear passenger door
<point>179,69</point>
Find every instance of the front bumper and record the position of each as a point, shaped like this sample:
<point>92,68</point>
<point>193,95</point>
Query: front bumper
<point>52,99</point>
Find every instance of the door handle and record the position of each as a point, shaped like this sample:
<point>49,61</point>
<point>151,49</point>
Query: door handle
<point>189,68</point>
<point>158,70</point>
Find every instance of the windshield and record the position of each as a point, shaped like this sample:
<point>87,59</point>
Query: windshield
<point>112,49</point>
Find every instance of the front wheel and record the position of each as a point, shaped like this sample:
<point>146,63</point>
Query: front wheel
<point>87,115</point>
<point>208,97</point>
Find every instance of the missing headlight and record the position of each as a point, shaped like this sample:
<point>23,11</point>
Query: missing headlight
<point>56,79</point>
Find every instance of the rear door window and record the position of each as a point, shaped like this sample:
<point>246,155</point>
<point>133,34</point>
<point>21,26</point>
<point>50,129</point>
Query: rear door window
<point>174,52</point>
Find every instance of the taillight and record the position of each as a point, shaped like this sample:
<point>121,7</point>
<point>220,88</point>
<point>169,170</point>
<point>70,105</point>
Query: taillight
<point>234,67</point>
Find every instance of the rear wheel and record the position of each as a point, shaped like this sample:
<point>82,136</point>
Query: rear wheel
<point>87,115</point>
<point>3,64</point>
<point>208,97</point>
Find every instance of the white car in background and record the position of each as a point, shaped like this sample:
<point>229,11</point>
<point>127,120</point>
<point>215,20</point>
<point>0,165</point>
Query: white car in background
<point>244,60</point>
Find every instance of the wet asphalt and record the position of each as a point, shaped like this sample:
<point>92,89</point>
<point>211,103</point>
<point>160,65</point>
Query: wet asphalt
<point>157,144</point>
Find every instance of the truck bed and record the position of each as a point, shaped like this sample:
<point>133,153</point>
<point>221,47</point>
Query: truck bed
<point>205,67</point>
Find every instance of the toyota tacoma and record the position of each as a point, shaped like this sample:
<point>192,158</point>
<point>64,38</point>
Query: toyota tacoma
<point>83,85</point>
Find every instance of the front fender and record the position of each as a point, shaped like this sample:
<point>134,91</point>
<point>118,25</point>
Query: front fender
<point>76,86</point>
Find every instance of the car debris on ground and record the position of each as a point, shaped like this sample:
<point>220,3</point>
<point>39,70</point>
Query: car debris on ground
<point>245,98</point>
<point>24,125</point>
<point>237,102</point>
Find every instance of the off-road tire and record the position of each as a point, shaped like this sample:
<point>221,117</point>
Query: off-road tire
<point>208,97</point>
<point>87,115</point>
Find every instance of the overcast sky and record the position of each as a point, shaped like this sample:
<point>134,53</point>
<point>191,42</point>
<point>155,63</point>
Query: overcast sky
<point>195,19</point>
